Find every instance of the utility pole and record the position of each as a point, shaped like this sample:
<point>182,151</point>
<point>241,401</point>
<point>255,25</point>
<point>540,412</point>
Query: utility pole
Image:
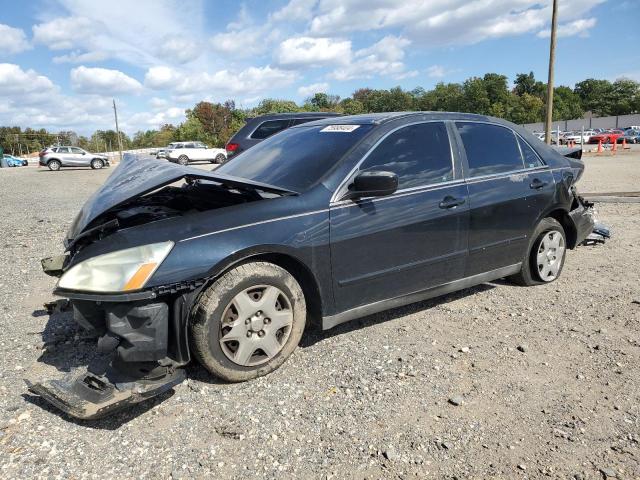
<point>552,59</point>
<point>115,112</point>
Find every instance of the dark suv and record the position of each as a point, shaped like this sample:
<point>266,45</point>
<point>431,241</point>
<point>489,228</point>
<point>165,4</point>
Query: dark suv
<point>321,224</point>
<point>258,128</point>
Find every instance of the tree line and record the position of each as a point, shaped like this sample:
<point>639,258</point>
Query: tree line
<point>491,94</point>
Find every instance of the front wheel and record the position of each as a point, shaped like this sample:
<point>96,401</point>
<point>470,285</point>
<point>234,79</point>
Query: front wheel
<point>97,164</point>
<point>545,256</point>
<point>248,322</point>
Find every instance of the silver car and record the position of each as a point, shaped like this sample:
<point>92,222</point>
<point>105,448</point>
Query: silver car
<point>57,157</point>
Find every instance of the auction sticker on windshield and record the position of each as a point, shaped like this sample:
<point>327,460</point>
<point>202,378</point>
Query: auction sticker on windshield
<point>340,128</point>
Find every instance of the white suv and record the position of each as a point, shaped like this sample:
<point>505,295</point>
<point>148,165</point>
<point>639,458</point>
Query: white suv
<point>185,152</point>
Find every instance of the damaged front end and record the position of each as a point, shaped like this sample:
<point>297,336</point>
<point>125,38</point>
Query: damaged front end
<point>141,347</point>
<point>140,325</point>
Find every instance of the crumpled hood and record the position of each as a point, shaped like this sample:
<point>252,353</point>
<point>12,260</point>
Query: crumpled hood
<point>137,176</point>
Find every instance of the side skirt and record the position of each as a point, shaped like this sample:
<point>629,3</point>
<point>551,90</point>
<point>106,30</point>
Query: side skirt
<point>371,308</point>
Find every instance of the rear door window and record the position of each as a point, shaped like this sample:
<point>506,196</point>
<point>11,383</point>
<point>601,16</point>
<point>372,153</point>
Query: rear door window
<point>531,158</point>
<point>419,154</point>
<point>490,148</point>
<point>268,128</point>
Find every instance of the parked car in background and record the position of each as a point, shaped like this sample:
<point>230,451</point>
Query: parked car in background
<point>610,136</point>
<point>13,161</point>
<point>320,224</point>
<point>259,128</point>
<point>185,152</point>
<point>632,127</point>
<point>579,136</point>
<point>62,156</point>
<point>630,136</point>
<point>162,152</point>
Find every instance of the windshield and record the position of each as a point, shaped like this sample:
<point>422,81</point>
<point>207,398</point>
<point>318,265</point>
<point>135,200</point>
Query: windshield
<point>297,158</point>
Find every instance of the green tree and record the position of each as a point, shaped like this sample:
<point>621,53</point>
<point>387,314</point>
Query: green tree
<point>625,97</point>
<point>566,104</point>
<point>272,105</point>
<point>476,98</point>
<point>445,97</point>
<point>349,106</point>
<point>596,96</point>
<point>322,102</point>
<point>527,83</point>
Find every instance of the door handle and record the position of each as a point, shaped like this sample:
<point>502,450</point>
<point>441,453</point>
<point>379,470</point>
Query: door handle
<point>537,184</point>
<point>451,202</point>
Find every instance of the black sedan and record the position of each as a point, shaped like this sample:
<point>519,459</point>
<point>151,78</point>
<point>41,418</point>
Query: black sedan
<point>320,224</point>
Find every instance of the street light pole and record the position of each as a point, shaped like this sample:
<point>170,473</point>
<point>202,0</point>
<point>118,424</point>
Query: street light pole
<point>115,112</point>
<point>552,59</point>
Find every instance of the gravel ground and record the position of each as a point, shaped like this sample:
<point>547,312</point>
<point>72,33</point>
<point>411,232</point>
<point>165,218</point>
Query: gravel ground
<point>495,381</point>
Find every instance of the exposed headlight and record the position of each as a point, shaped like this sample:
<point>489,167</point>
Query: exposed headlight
<point>119,271</point>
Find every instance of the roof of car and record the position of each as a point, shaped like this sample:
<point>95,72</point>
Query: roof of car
<point>380,118</point>
<point>280,116</point>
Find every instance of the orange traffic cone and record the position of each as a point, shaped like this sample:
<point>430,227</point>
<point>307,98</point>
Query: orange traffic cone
<point>599,146</point>
<point>615,145</point>
<point>624,143</point>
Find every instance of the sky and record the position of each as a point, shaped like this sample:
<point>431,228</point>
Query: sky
<point>63,61</point>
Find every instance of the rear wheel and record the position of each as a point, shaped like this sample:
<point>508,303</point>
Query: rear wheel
<point>97,164</point>
<point>54,165</point>
<point>545,256</point>
<point>183,160</point>
<point>220,158</point>
<point>248,322</point>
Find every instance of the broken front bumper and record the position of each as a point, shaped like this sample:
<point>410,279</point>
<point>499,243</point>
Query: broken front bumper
<point>141,347</point>
<point>89,395</point>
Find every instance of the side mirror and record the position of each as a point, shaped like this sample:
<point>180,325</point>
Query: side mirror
<point>372,184</point>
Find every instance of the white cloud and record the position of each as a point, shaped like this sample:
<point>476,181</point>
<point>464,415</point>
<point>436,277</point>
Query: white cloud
<point>64,33</point>
<point>309,90</point>
<point>252,80</point>
<point>77,57</point>
<point>179,49</point>
<point>31,99</point>
<point>383,58</point>
<point>439,71</point>
<point>153,120</point>
<point>102,81</point>
<point>309,51</point>
<point>245,41</point>
<point>133,32</point>
<point>442,22</point>
<point>161,78</point>
<point>12,40</point>
<point>157,103</point>
<point>17,83</point>
<point>577,27</point>
<point>295,10</point>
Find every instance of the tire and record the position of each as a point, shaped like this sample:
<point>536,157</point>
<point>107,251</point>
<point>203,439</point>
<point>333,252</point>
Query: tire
<point>54,165</point>
<point>220,158</point>
<point>249,283</point>
<point>183,160</point>
<point>97,164</point>
<point>533,273</point>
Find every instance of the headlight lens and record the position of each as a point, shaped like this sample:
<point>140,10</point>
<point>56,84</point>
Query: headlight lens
<point>119,271</point>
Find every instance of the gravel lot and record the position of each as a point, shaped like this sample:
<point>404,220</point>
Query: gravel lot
<point>546,379</point>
